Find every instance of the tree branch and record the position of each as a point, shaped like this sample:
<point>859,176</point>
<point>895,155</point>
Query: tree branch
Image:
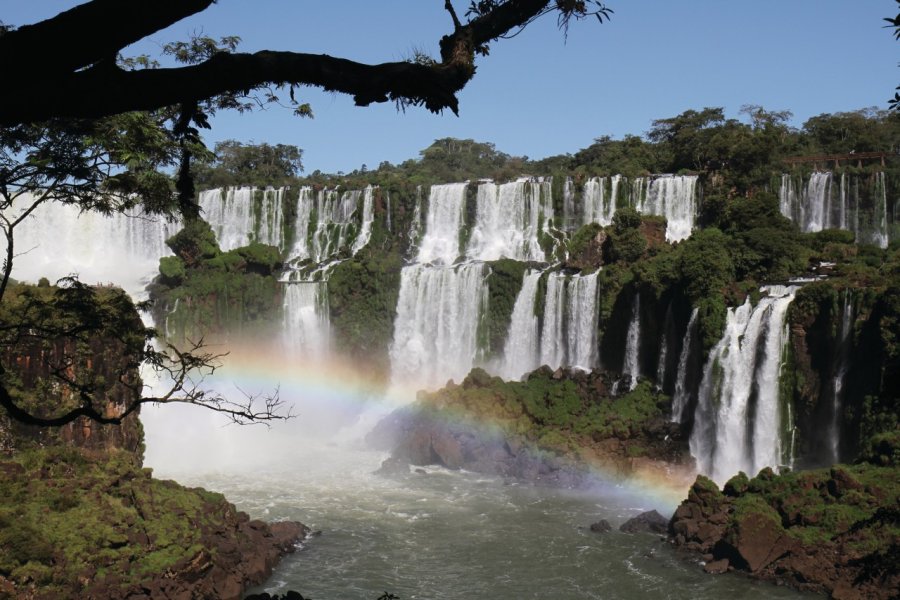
<point>52,89</point>
<point>86,35</point>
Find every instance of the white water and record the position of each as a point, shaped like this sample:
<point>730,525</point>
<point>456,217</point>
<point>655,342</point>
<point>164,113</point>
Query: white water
<point>632,363</point>
<point>569,332</point>
<point>305,203</point>
<point>435,332</point>
<point>509,220</point>
<point>681,397</point>
<point>237,217</point>
<point>738,424</point>
<point>673,197</point>
<point>569,205</point>
<point>520,352</point>
<point>306,329</point>
<point>440,243</point>
<point>57,240</point>
<point>843,363</point>
<point>598,206</point>
<point>824,205</point>
<point>368,217</point>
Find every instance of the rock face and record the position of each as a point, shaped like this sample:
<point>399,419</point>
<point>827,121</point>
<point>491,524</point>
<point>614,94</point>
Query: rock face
<point>819,531</point>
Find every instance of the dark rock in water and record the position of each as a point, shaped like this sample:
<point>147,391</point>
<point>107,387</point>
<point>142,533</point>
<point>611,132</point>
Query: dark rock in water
<point>394,465</point>
<point>650,522</point>
<point>716,567</point>
<point>421,471</point>
<point>601,526</point>
<point>291,595</point>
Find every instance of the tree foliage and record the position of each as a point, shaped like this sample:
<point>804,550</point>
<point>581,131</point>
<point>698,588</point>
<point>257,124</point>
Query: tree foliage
<point>236,163</point>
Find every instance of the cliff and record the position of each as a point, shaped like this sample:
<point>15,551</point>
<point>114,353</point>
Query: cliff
<point>79,517</point>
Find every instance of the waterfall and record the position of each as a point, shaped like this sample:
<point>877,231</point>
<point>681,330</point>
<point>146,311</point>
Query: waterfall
<point>880,221</point>
<point>664,349</point>
<point>824,205</point>
<point>306,329</point>
<point>368,216</point>
<point>415,225</point>
<point>553,352</point>
<point>435,331</point>
<point>632,363</point>
<point>581,333</point>
<point>57,240</point>
<point>569,205</point>
<point>596,207</point>
<point>334,212</point>
<point>270,228</point>
<point>509,220</point>
<point>842,362</point>
<point>387,200</point>
<point>242,215</point>
<point>738,424</point>
<point>569,332</point>
<point>520,353</point>
<point>681,397</point>
<point>673,197</point>
<point>305,202</point>
<point>446,205</point>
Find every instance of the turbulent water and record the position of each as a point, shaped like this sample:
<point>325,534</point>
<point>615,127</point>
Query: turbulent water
<point>438,535</point>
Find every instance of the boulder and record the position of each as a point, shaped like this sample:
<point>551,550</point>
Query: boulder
<point>650,522</point>
<point>601,526</point>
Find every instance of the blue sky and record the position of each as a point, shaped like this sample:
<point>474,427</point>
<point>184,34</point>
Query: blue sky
<point>540,94</point>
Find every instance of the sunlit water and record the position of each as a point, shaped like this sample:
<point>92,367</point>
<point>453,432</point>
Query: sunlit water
<point>434,535</point>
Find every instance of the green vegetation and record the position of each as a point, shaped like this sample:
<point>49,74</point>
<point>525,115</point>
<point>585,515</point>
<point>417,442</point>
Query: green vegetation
<point>560,414</point>
<point>203,291</point>
<point>362,299</point>
<point>69,520</point>
<point>504,283</point>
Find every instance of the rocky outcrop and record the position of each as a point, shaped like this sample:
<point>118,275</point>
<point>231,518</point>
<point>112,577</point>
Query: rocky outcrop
<point>552,429</point>
<point>834,531</point>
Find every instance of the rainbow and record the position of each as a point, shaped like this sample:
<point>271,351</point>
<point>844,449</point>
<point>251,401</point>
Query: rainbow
<point>318,389</point>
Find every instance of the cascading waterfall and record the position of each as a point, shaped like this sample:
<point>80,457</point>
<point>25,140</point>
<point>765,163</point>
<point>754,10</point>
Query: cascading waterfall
<point>57,240</point>
<point>368,216</point>
<point>598,207</point>
<point>305,204</point>
<point>306,330</point>
<point>237,220</point>
<point>335,211</point>
<point>509,220</point>
<point>569,205</point>
<point>446,205</point>
<point>632,363</point>
<point>569,332</point>
<point>673,197</point>
<point>520,353</point>
<point>837,384</point>
<point>738,423</point>
<point>826,205</point>
<point>681,397</point>
<point>435,332</point>
<point>880,235</point>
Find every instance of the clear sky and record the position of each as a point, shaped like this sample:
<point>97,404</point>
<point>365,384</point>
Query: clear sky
<point>540,94</point>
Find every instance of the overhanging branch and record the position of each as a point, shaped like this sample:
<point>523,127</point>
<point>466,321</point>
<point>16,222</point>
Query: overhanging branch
<point>53,86</point>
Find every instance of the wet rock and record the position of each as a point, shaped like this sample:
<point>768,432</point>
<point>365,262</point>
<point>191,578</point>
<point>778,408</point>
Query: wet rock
<point>393,465</point>
<point>601,526</point>
<point>650,522</point>
<point>716,567</point>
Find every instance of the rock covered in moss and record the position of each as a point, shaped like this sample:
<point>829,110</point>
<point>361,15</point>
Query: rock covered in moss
<point>833,530</point>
